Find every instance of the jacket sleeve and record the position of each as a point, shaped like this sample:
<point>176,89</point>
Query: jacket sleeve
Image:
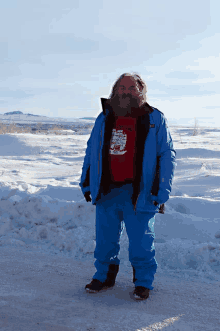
<point>167,164</point>
<point>85,177</point>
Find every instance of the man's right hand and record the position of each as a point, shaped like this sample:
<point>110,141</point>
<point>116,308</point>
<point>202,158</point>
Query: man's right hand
<point>87,196</point>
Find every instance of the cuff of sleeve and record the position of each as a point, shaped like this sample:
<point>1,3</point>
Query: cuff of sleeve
<point>85,189</point>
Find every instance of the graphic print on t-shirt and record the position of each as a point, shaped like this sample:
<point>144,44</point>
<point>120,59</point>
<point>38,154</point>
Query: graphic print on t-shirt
<point>118,142</point>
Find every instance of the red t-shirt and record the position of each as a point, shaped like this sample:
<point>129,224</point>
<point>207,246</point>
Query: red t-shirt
<point>122,149</point>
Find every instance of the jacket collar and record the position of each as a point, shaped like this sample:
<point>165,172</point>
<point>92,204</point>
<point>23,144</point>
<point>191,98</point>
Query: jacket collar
<point>106,108</point>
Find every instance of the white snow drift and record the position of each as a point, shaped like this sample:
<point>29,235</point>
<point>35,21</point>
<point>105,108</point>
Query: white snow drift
<point>42,206</point>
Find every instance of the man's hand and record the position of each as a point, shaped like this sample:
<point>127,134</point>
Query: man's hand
<point>87,196</point>
<point>156,198</point>
<point>162,206</point>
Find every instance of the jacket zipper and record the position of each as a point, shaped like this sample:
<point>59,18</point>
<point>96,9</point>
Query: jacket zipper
<point>136,202</point>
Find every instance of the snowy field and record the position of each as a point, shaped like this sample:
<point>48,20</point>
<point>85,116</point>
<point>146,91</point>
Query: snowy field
<point>43,210</point>
<point>42,205</point>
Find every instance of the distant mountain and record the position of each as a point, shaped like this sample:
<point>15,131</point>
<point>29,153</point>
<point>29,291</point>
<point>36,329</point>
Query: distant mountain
<point>14,112</point>
<point>34,115</point>
<point>17,112</point>
<point>87,118</point>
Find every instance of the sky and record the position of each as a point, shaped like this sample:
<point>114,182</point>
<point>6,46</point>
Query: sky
<point>58,58</point>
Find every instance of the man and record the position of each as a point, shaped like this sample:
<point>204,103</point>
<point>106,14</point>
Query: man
<point>128,170</point>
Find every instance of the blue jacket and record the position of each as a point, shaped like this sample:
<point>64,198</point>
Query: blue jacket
<point>158,151</point>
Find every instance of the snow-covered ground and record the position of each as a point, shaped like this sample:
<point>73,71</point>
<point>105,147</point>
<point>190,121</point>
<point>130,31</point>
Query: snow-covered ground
<point>42,208</point>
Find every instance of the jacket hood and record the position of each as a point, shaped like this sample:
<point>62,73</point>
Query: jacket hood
<point>106,105</point>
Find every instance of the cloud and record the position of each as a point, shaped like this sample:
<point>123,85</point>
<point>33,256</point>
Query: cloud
<point>212,107</point>
<point>166,89</point>
<point>17,94</point>
<point>210,64</point>
<point>50,45</point>
<point>189,74</point>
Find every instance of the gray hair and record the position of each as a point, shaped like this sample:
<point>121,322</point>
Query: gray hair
<point>139,80</point>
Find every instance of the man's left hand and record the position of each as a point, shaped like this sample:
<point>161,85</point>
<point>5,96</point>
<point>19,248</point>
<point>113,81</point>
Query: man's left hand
<point>154,198</point>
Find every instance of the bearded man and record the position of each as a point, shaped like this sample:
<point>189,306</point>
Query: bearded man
<point>128,170</point>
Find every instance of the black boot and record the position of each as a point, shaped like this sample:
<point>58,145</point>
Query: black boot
<point>134,279</point>
<point>140,292</point>
<point>111,275</point>
<point>96,285</point>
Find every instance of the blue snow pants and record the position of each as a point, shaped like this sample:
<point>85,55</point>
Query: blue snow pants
<point>113,211</point>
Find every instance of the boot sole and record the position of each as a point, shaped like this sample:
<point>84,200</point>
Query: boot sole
<point>88,290</point>
<point>139,298</point>
<point>91,291</point>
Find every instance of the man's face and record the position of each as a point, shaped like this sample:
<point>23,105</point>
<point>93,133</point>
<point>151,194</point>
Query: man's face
<point>127,96</point>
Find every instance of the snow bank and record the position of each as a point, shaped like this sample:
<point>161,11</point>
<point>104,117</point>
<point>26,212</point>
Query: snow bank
<point>42,206</point>
<point>185,242</point>
<point>13,146</point>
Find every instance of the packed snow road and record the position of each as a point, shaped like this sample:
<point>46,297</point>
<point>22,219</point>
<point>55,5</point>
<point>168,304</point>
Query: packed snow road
<point>45,292</point>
